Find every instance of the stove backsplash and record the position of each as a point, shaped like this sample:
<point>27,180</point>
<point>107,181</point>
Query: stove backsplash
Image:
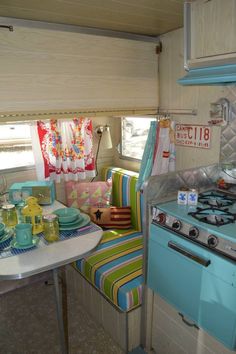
<point>164,187</point>
<point>228,147</point>
<point>228,137</point>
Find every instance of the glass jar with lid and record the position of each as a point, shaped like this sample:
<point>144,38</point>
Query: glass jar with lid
<point>51,227</point>
<point>9,215</point>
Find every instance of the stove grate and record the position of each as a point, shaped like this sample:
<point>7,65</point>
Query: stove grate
<point>216,199</point>
<point>213,216</point>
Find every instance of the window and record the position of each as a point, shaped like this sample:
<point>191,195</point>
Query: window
<point>15,146</point>
<point>134,132</point>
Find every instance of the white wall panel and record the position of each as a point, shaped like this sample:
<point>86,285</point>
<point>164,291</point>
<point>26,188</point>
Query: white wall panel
<point>44,68</point>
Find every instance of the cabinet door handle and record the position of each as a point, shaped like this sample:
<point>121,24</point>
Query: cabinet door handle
<point>188,254</point>
<point>187,322</point>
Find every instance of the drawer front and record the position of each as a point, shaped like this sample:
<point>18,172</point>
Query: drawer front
<point>171,335</point>
<point>194,289</point>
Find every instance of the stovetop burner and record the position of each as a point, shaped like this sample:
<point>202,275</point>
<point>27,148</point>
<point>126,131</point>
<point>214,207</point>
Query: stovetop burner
<point>216,199</point>
<point>213,216</point>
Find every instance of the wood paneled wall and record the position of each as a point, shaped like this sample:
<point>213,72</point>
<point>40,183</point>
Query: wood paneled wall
<point>42,68</point>
<point>173,96</point>
<point>213,28</point>
<point>142,16</point>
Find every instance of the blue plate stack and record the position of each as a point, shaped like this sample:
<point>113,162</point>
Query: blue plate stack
<point>71,218</point>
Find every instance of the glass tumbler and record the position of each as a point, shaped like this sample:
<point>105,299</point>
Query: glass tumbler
<point>9,215</point>
<point>19,208</point>
<point>51,227</point>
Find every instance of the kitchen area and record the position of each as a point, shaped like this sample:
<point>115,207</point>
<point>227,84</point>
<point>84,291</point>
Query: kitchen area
<point>191,262</point>
<point>189,304</point>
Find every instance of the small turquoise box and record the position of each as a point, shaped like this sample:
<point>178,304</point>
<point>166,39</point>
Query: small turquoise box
<point>44,191</point>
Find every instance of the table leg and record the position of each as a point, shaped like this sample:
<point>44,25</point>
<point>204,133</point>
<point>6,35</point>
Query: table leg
<point>64,303</point>
<point>64,344</point>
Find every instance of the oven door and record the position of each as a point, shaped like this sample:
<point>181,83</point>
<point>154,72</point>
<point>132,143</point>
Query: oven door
<point>199,283</point>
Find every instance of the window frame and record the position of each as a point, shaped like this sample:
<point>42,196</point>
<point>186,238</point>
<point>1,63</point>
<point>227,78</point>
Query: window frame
<point>17,169</point>
<point>124,157</point>
<point>15,140</point>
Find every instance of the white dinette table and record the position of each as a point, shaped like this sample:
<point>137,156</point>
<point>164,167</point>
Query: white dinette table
<point>51,257</point>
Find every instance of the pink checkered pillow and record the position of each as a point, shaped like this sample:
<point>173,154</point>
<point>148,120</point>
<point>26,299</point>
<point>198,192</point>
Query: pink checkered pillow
<point>84,195</point>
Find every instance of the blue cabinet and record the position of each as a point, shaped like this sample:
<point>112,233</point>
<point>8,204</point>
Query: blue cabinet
<point>204,291</point>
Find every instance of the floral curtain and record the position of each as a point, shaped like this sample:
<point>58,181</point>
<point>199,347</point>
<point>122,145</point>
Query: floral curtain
<point>63,149</point>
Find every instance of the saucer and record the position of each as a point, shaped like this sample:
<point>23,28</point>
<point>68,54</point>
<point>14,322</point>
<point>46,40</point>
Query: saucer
<point>77,225</point>
<point>7,234</point>
<point>71,223</point>
<point>15,244</point>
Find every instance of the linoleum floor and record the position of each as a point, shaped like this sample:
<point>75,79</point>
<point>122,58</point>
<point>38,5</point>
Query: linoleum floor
<point>28,325</point>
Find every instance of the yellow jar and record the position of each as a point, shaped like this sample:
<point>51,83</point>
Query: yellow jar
<point>9,215</point>
<point>51,227</point>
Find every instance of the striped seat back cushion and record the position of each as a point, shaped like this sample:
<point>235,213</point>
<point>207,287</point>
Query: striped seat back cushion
<point>124,193</point>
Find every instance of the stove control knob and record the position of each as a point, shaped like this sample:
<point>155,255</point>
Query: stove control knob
<point>212,241</point>
<point>161,218</point>
<point>176,225</point>
<point>193,232</point>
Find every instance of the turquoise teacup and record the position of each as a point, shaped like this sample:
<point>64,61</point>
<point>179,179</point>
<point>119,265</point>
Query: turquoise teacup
<point>2,229</point>
<point>23,234</point>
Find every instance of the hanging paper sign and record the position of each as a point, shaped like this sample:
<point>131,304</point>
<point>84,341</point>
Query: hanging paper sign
<point>193,135</point>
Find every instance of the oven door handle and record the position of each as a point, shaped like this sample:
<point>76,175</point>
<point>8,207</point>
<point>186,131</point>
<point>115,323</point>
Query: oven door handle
<point>189,254</point>
<point>187,322</point>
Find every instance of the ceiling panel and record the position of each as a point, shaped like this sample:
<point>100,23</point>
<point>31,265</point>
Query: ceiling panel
<point>146,17</point>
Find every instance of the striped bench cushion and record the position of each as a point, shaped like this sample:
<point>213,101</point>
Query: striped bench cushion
<point>115,268</point>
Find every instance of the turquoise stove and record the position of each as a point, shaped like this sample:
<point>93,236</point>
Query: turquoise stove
<point>192,261</point>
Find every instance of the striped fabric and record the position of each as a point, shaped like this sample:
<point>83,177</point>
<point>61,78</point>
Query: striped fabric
<point>124,193</point>
<point>115,268</point>
<point>112,217</point>
<point>121,215</point>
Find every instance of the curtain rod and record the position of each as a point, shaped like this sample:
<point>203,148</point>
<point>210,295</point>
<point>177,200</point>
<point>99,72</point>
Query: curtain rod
<point>66,114</point>
<point>187,111</point>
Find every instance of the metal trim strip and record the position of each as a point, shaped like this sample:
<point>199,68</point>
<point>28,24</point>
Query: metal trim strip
<point>79,29</point>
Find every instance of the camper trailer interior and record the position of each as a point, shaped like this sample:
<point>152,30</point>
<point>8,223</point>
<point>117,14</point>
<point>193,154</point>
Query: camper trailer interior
<point>118,177</point>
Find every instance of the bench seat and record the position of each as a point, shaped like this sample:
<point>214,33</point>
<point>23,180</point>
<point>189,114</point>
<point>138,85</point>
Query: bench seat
<point>115,267</point>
